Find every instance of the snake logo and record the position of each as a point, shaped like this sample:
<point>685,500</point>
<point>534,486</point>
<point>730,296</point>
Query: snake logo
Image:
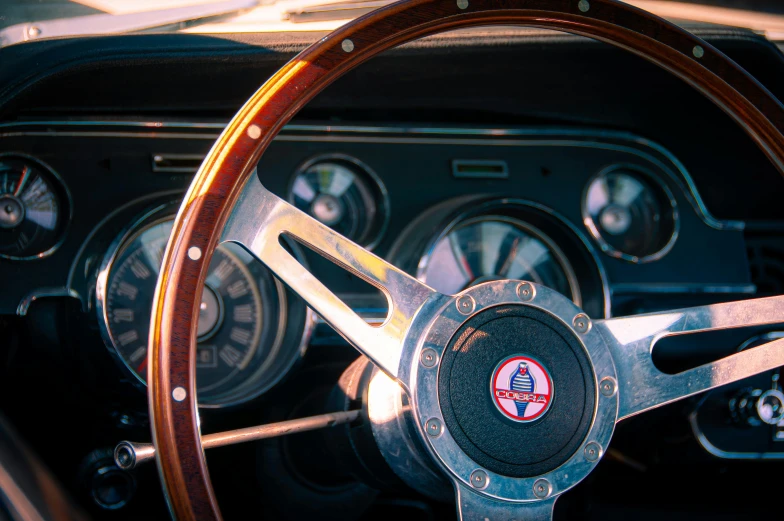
<point>522,388</point>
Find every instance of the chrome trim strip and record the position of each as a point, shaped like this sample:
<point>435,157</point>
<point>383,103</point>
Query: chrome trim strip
<point>113,123</point>
<point>656,288</point>
<point>37,294</point>
<point>158,130</point>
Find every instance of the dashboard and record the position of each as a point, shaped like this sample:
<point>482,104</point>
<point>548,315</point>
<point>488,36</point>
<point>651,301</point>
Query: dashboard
<point>622,213</point>
<point>573,210</point>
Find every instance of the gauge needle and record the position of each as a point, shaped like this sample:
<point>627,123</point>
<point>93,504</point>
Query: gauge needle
<point>142,366</point>
<point>506,262</point>
<point>22,181</point>
<point>460,256</point>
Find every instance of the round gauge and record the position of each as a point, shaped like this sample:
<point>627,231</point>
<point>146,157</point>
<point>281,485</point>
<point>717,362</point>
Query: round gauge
<point>493,247</point>
<point>33,209</point>
<point>631,215</point>
<point>242,348</point>
<point>344,194</point>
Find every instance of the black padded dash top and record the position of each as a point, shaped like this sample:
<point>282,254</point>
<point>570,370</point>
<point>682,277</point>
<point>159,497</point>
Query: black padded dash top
<point>489,437</point>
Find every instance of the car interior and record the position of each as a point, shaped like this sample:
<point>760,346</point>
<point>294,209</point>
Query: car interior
<point>362,259</point>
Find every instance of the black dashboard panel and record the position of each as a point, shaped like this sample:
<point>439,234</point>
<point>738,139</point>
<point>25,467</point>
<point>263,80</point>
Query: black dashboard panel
<point>109,166</point>
<point>462,77</point>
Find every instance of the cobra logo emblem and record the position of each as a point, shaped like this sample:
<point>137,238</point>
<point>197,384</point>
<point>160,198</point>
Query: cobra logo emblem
<point>522,388</point>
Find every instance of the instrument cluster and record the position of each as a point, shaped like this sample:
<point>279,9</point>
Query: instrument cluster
<point>453,207</point>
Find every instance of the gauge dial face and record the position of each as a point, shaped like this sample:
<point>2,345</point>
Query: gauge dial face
<point>494,248</point>
<point>32,205</point>
<point>630,215</point>
<point>345,195</point>
<point>241,310</point>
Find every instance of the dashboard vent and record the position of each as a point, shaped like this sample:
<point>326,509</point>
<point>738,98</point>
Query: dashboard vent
<point>176,163</point>
<point>479,169</point>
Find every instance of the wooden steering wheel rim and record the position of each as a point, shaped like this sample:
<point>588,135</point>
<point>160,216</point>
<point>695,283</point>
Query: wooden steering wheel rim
<point>231,161</point>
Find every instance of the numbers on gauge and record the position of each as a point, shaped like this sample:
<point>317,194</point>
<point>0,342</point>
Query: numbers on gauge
<point>230,311</point>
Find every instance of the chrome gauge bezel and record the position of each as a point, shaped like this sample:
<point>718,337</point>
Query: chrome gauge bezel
<point>147,219</point>
<point>67,201</point>
<point>237,396</point>
<point>596,234</point>
<point>466,219</point>
<point>451,213</point>
<point>383,205</point>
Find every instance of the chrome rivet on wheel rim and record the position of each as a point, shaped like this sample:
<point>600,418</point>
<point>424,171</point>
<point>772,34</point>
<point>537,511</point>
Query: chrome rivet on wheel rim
<point>179,394</point>
<point>542,488</point>
<point>526,291</point>
<point>698,51</point>
<point>608,386</point>
<point>479,479</point>
<point>347,45</point>
<point>254,132</point>
<point>433,427</point>
<point>462,4</point>
<point>581,323</point>
<point>429,357</point>
<point>583,6</point>
<point>466,304</point>
<point>592,451</point>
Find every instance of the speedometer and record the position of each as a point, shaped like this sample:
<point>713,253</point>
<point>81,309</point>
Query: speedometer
<point>242,322</point>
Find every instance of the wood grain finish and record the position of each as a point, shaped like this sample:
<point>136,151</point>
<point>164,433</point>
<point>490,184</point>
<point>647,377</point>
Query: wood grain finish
<point>233,157</point>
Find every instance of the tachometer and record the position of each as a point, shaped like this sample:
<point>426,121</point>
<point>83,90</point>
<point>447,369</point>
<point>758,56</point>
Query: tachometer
<point>493,248</point>
<point>470,240</point>
<point>242,324</point>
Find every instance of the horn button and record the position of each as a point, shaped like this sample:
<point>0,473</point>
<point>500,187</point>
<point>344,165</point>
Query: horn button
<point>516,390</point>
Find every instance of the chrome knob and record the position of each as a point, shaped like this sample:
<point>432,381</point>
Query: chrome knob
<point>757,407</point>
<point>770,407</point>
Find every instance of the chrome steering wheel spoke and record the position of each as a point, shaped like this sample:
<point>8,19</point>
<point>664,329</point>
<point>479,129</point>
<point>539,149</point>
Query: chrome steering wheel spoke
<point>259,221</point>
<point>472,506</point>
<point>421,329</point>
<point>641,386</point>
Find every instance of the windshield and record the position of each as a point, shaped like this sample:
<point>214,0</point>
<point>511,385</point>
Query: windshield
<point>25,20</point>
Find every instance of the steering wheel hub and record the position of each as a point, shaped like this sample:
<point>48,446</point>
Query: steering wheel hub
<point>516,389</point>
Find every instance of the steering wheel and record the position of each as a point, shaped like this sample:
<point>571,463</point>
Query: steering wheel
<point>505,463</point>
